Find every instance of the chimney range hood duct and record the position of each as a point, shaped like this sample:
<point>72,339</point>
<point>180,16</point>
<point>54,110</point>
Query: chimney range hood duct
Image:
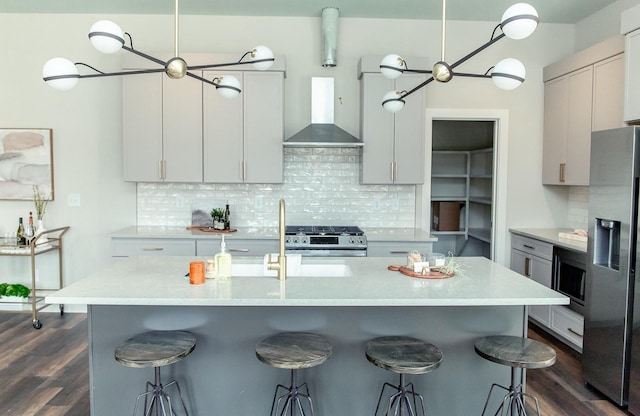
<point>322,132</point>
<point>329,36</point>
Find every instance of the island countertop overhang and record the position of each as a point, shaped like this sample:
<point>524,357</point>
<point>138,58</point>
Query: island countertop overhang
<point>161,281</point>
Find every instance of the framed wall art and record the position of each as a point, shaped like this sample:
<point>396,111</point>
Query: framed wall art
<point>26,163</point>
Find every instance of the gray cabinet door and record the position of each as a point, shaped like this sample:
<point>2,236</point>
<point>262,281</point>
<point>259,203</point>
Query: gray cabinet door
<point>263,127</point>
<point>162,129</point>
<point>376,127</point>
<point>393,150</point>
<point>567,128</point>
<point>142,127</point>
<point>632,76</point>
<point>243,136</point>
<point>223,133</point>
<point>182,129</point>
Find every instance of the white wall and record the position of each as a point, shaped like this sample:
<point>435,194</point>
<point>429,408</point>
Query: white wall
<point>87,122</point>
<point>601,25</point>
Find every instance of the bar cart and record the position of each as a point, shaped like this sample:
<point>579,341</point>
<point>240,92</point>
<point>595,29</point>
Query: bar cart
<point>44,242</point>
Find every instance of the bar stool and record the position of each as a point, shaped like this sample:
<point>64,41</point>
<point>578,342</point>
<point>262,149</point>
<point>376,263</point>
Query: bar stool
<point>156,349</point>
<point>516,352</point>
<point>293,351</point>
<point>403,355</point>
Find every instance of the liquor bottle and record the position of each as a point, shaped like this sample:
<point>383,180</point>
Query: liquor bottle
<point>227,218</point>
<point>20,239</point>
<point>29,230</point>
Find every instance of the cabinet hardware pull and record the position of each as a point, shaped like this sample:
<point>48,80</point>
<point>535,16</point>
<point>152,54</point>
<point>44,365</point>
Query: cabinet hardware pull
<point>243,250</point>
<point>562,167</point>
<point>162,169</point>
<point>395,171</point>
<point>152,249</point>
<point>391,173</point>
<point>527,266</point>
<point>573,331</point>
<point>398,252</point>
<point>529,247</point>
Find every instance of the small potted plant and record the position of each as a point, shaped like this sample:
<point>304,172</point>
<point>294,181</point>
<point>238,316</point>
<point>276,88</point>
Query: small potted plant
<point>218,218</point>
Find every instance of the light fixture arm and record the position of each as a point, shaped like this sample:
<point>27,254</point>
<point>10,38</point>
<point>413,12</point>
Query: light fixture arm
<point>454,65</point>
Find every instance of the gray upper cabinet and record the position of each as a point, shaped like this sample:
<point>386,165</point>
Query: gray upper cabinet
<point>393,151</point>
<point>184,131</point>
<point>632,77</point>
<point>243,136</point>
<point>162,121</point>
<point>567,129</point>
<point>582,94</point>
<point>630,27</point>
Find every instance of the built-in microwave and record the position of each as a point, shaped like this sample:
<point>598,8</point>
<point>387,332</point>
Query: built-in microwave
<point>569,274</point>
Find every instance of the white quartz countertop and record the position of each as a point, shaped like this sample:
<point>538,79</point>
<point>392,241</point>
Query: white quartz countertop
<point>550,235</point>
<point>161,281</point>
<point>265,233</point>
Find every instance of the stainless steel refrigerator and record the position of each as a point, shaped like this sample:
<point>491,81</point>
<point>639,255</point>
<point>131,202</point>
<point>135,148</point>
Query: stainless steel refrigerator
<point>611,348</point>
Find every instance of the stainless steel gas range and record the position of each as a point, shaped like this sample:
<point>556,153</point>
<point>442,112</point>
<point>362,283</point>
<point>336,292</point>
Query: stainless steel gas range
<point>326,241</point>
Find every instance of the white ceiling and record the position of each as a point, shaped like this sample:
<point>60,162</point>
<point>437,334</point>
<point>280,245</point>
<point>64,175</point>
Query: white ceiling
<point>550,11</point>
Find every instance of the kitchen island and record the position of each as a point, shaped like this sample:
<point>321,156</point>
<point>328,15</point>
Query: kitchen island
<point>349,300</point>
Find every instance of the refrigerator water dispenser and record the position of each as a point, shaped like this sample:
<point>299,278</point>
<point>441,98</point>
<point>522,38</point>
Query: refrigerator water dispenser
<point>606,251</point>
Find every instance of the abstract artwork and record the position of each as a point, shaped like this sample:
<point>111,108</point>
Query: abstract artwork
<point>26,163</point>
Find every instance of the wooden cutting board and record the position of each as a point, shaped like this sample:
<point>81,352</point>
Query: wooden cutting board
<point>429,275</point>
<point>213,230</point>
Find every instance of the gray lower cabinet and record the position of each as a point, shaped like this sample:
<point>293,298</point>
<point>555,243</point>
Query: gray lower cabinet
<point>532,258</point>
<point>125,247</point>
<point>238,247</point>
<point>396,248</point>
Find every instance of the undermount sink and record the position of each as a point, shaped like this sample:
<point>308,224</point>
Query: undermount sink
<point>317,269</point>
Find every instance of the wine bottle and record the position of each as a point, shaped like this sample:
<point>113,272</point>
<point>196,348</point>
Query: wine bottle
<point>227,219</point>
<point>29,231</point>
<point>20,238</point>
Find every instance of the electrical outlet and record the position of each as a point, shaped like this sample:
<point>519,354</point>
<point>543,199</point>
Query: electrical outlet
<point>395,204</point>
<point>73,200</point>
<point>179,201</point>
<point>376,204</point>
<point>258,202</point>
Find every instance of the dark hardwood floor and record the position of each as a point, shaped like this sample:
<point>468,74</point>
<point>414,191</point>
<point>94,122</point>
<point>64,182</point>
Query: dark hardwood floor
<point>560,389</point>
<point>45,372</point>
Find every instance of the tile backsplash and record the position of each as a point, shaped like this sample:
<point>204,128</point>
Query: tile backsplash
<point>578,212</point>
<point>321,186</point>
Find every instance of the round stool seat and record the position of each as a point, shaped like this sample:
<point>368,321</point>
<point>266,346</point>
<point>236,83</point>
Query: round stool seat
<point>155,348</point>
<point>516,352</point>
<point>404,355</point>
<point>294,350</point>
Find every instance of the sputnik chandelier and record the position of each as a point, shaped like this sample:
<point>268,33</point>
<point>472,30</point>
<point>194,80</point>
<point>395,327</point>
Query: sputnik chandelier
<point>518,22</point>
<point>108,37</point>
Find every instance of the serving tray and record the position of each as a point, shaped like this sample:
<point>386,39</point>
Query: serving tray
<point>434,274</point>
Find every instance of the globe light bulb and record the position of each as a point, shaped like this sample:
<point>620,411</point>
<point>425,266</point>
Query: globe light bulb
<point>260,53</point>
<point>392,66</point>
<point>106,36</point>
<point>392,101</point>
<point>60,73</point>
<point>508,74</point>
<point>228,86</point>
<point>519,21</point>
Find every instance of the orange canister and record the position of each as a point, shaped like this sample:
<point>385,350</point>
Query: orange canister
<point>196,272</point>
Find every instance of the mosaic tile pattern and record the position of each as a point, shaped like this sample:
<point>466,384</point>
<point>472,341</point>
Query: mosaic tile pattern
<point>321,186</point>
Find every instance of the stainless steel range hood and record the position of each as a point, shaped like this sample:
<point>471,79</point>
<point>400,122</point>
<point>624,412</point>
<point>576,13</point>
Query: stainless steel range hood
<point>322,132</point>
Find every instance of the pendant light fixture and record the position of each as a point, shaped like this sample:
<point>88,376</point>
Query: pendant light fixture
<point>518,22</point>
<point>107,37</point>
